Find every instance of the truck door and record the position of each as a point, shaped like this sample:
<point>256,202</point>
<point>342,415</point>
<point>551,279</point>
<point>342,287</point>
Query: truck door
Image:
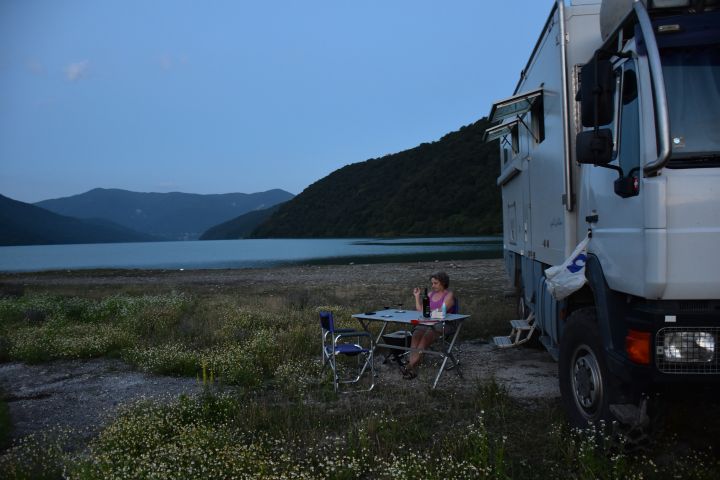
<point>618,230</point>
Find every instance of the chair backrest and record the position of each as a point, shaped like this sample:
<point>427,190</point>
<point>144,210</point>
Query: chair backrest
<point>326,321</point>
<point>456,307</point>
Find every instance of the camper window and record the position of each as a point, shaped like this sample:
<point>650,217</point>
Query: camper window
<point>515,106</point>
<point>629,138</point>
<point>507,133</point>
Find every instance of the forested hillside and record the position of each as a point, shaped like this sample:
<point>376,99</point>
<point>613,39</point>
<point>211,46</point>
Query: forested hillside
<point>25,224</point>
<point>239,227</point>
<point>442,188</point>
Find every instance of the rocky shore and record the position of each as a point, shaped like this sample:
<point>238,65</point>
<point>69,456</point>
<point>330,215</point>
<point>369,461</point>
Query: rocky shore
<point>488,274</point>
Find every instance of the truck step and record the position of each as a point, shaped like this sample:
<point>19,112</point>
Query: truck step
<point>520,324</point>
<point>520,333</point>
<point>503,342</point>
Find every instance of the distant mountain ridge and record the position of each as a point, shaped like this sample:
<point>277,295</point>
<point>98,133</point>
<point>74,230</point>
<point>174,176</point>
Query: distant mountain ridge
<point>240,227</point>
<point>170,216</point>
<point>26,224</point>
<point>442,188</point>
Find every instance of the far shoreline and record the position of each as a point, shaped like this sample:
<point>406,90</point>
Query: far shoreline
<point>485,274</point>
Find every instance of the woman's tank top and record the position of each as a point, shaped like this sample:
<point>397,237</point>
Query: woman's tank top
<point>437,305</point>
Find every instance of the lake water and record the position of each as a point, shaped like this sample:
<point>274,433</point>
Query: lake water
<point>244,253</point>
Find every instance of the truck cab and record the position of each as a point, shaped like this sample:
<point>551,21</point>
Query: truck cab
<point>612,133</point>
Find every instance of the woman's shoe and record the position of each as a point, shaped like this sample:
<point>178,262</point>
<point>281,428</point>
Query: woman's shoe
<point>407,372</point>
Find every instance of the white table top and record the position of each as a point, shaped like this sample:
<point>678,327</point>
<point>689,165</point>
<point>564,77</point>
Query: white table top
<point>407,316</point>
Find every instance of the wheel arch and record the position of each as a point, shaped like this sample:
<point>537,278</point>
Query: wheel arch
<point>608,305</point>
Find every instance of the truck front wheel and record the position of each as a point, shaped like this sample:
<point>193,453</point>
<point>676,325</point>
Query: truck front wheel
<point>585,383</point>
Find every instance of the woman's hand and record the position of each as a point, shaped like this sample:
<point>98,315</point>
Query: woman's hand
<point>418,303</point>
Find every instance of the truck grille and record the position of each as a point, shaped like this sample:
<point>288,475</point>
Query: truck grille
<point>685,350</point>
<point>694,306</point>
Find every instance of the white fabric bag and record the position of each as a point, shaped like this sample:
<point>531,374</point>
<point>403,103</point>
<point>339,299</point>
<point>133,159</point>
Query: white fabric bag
<point>562,280</point>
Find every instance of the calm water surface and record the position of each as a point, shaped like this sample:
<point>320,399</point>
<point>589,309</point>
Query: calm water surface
<point>244,253</point>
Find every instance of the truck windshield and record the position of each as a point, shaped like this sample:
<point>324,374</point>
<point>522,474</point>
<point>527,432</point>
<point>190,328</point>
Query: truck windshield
<point>692,82</point>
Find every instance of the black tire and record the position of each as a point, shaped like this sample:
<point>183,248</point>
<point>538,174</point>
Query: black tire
<point>586,385</point>
<point>521,308</point>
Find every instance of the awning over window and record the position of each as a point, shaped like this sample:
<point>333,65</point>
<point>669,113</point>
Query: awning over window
<point>499,131</point>
<point>514,106</point>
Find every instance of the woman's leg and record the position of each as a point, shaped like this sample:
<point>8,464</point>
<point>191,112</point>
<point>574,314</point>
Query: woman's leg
<point>414,342</point>
<point>421,340</point>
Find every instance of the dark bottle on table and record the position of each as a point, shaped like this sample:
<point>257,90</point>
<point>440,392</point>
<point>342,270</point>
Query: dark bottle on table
<point>426,305</point>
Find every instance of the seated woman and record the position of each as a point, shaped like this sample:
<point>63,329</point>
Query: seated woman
<point>425,335</point>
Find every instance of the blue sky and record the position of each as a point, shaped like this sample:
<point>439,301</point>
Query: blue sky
<point>240,96</point>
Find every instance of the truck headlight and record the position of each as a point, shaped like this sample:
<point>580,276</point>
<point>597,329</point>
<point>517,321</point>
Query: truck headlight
<point>686,347</point>
<point>700,5</point>
<point>670,3</point>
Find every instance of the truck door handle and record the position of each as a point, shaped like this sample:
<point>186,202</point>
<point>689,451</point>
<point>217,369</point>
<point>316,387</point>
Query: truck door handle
<point>591,218</point>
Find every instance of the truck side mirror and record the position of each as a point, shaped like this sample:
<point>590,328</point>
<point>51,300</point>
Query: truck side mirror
<point>594,147</point>
<point>627,187</point>
<point>597,91</point>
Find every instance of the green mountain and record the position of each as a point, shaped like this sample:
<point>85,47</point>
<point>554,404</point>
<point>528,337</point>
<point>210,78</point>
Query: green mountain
<point>240,227</point>
<point>441,188</point>
<point>25,224</point>
<point>171,216</point>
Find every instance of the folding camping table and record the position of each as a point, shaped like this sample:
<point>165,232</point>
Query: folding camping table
<point>414,318</point>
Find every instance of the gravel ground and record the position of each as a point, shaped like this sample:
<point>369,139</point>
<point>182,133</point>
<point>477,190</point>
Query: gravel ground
<point>79,396</point>
<point>84,395</point>
<point>489,273</point>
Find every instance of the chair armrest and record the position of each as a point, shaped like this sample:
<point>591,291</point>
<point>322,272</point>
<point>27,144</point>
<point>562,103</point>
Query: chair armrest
<point>354,333</point>
<point>337,330</point>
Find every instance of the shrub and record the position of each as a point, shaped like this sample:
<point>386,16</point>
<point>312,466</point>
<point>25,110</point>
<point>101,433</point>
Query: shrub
<point>42,327</point>
<point>37,344</point>
<point>167,359</point>
<point>34,457</point>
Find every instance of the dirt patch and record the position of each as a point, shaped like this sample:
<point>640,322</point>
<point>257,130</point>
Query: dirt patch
<point>526,374</point>
<point>79,396</point>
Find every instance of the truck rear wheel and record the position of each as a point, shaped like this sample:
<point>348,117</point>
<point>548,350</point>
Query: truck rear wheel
<point>585,383</point>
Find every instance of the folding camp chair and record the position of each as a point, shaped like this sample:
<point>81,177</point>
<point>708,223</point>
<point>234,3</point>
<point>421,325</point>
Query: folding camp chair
<point>324,333</point>
<point>336,344</point>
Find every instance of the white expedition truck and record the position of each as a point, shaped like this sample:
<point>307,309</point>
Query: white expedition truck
<point>613,132</point>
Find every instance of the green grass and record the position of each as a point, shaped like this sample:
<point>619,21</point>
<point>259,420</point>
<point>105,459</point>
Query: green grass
<point>38,328</point>
<point>221,436</point>
<point>284,420</point>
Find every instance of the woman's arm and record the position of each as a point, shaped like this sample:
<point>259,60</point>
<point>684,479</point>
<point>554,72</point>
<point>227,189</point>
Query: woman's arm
<point>418,302</point>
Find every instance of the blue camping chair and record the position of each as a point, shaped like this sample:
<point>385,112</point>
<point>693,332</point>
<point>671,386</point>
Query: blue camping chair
<point>336,344</point>
<point>325,333</point>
